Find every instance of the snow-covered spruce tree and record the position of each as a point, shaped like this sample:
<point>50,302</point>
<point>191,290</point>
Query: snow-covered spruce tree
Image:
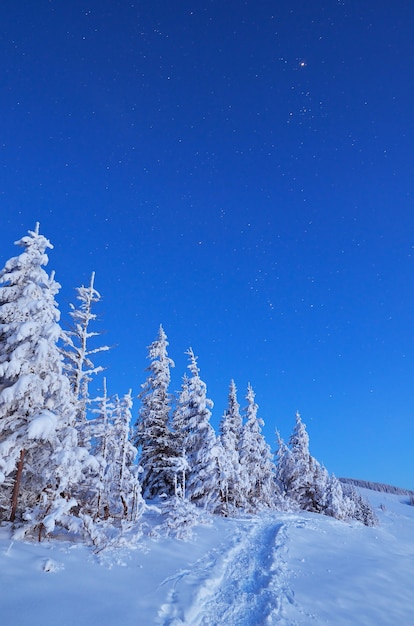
<point>299,469</point>
<point>284,464</point>
<point>307,482</point>
<point>282,452</point>
<point>152,433</point>
<point>115,494</point>
<point>357,507</point>
<point>78,353</point>
<point>305,479</point>
<point>178,425</point>
<point>257,467</point>
<point>364,512</point>
<point>231,426</point>
<point>97,492</point>
<point>335,503</point>
<point>178,421</point>
<point>202,449</point>
<point>126,501</point>
<point>41,464</point>
<point>319,491</point>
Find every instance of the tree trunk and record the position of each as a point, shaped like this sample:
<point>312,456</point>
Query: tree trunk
<point>124,504</point>
<point>16,486</point>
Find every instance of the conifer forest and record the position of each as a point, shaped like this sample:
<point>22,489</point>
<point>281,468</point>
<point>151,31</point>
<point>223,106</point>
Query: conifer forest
<point>90,466</point>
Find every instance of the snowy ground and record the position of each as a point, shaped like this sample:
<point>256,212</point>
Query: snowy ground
<point>273,569</point>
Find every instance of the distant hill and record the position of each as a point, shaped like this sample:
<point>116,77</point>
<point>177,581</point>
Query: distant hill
<point>366,484</point>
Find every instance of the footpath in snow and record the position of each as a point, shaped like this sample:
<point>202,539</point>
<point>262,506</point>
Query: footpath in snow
<point>244,582</point>
<point>277,568</point>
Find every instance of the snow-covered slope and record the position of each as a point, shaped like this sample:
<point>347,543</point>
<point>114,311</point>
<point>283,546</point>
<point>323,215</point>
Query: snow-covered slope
<point>271,569</point>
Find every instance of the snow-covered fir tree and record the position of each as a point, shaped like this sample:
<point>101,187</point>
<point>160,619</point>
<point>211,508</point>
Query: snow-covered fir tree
<point>231,427</point>
<point>116,493</point>
<point>79,353</point>
<point>257,467</point>
<point>364,512</point>
<point>357,507</point>
<point>41,464</point>
<point>102,433</point>
<point>284,464</point>
<point>335,504</point>
<point>299,468</point>
<point>152,433</point>
<point>199,443</point>
<point>180,465</point>
<point>303,479</point>
<point>319,490</point>
<point>307,483</point>
<point>125,488</point>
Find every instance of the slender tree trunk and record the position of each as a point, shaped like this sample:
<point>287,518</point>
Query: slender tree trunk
<point>16,486</point>
<point>124,504</point>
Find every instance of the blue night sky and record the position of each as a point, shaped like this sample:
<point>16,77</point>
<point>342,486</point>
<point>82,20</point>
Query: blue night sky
<point>241,172</point>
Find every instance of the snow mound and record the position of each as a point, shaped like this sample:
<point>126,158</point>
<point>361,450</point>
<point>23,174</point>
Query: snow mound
<point>43,426</point>
<point>49,565</point>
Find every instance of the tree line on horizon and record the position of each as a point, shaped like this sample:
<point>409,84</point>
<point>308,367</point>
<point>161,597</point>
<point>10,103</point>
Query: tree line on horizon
<point>74,462</point>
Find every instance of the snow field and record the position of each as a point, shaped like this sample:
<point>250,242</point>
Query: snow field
<point>290,569</point>
<point>349,574</point>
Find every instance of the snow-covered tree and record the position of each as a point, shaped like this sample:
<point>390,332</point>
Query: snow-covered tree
<point>305,481</point>
<point>79,353</point>
<point>357,507</point>
<point>231,426</point>
<point>335,504</point>
<point>282,463</point>
<point>180,465</point>
<point>102,432</point>
<point>152,434</point>
<point>116,493</point>
<point>180,516</point>
<point>178,422</point>
<point>124,483</point>
<point>41,463</point>
<point>257,467</point>
<point>299,470</point>
<point>319,489</point>
<point>199,442</point>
